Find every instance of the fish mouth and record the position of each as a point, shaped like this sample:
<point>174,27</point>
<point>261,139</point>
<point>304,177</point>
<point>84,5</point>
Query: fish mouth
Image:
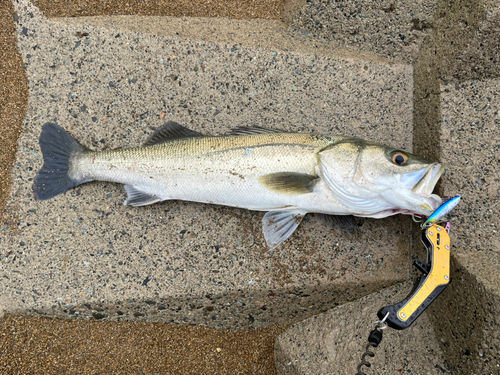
<point>416,191</point>
<point>428,182</point>
<point>424,187</point>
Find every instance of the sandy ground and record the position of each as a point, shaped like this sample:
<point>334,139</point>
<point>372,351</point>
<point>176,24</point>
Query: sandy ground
<point>13,101</point>
<point>51,346</point>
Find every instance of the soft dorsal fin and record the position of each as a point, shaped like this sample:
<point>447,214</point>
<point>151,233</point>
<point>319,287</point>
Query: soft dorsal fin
<point>170,131</point>
<point>289,183</point>
<point>243,130</point>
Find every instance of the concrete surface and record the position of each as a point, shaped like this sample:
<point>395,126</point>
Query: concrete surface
<point>456,29</point>
<point>480,57</point>
<point>251,33</point>
<point>386,28</point>
<point>467,317</point>
<point>334,342</point>
<point>456,121</point>
<point>84,254</point>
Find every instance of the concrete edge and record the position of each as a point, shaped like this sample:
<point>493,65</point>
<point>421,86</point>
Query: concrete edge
<point>255,33</point>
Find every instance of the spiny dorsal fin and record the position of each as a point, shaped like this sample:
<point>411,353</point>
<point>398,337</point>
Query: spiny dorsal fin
<point>244,130</point>
<point>170,131</point>
<point>289,183</point>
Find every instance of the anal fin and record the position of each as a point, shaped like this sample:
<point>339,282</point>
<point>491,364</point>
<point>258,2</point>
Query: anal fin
<point>279,225</point>
<point>136,197</point>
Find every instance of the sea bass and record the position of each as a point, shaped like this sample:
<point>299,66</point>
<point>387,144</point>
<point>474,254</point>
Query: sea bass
<point>286,174</point>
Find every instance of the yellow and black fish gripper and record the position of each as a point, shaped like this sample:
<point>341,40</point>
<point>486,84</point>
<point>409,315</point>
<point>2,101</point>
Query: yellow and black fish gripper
<point>434,279</point>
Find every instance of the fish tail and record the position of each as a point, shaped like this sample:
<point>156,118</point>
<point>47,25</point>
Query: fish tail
<point>57,148</point>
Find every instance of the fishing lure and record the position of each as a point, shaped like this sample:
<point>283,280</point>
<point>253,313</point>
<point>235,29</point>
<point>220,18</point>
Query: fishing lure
<point>441,211</point>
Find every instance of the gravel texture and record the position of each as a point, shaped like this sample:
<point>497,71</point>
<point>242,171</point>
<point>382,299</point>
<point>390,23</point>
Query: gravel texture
<point>13,101</point>
<point>263,9</point>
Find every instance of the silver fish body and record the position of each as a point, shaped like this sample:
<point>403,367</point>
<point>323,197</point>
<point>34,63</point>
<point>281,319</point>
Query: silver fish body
<point>216,170</point>
<point>285,174</point>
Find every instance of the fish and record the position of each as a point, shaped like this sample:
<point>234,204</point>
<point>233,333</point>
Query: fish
<point>441,211</point>
<point>285,174</point>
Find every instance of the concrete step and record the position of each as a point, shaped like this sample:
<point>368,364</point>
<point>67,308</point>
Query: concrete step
<point>84,254</point>
<point>480,56</point>
<point>334,342</point>
<point>384,28</point>
<point>464,34</point>
<point>467,317</point>
<point>251,33</point>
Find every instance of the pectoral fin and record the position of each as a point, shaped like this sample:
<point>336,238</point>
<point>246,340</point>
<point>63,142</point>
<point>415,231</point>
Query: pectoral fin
<point>289,183</point>
<point>279,225</point>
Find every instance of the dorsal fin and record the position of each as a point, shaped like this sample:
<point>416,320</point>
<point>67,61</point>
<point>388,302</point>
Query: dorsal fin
<point>244,130</point>
<point>170,131</point>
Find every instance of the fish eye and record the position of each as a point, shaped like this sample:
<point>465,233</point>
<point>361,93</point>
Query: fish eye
<point>399,157</point>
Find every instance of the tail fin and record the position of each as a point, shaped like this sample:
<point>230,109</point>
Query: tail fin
<point>57,148</point>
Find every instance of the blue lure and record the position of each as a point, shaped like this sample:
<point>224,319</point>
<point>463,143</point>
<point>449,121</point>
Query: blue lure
<point>442,211</point>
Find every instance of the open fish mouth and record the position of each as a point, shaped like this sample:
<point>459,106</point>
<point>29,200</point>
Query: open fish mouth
<point>419,185</point>
<point>426,185</point>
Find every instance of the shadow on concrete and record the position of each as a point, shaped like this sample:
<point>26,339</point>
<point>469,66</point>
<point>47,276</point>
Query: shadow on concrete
<point>237,310</point>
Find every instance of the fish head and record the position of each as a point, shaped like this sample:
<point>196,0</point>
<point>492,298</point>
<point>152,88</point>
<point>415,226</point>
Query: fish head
<point>379,181</point>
